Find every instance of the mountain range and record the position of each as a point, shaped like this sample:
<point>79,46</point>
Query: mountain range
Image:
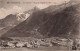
<point>53,21</point>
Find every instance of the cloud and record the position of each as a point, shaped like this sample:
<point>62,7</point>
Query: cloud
<point>15,9</point>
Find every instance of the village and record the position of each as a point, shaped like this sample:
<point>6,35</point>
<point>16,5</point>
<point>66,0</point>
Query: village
<point>37,43</point>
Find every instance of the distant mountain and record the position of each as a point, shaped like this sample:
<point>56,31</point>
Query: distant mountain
<point>9,22</point>
<point>59,21</point>
<point>12,20</point>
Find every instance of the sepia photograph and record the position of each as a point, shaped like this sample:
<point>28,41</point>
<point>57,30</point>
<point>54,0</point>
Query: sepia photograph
<point>39,25</point>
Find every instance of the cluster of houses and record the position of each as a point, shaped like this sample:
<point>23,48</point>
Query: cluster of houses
<point>37,43</point>
<point>28,44</point>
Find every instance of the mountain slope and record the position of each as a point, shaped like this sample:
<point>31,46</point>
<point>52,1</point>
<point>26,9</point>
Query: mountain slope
<point>63,21</point>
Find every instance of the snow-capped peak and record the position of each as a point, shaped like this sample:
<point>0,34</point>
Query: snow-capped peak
<point>22,16</point>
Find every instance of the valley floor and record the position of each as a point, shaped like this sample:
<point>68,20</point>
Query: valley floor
<point>37,49</point>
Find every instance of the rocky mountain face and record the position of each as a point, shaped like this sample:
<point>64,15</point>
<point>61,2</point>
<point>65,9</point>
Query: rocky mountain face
<point>54,21</point>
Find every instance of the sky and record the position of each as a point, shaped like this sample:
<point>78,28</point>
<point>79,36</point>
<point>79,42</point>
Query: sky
<point>16,6</point>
